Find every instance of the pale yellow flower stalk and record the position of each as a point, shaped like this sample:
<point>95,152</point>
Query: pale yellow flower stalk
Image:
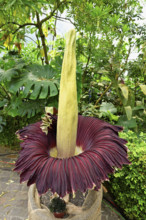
<point>68,108</point>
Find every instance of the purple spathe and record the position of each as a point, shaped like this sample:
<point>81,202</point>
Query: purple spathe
<point>103,150</point>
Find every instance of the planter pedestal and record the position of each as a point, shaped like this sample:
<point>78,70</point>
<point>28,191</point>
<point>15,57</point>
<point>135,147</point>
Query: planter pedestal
<point>91,209</point>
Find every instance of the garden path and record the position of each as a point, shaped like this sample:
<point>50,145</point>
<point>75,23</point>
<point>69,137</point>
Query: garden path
<point>13,195</point>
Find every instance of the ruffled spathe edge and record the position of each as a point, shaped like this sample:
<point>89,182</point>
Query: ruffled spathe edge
<point>103,150</point>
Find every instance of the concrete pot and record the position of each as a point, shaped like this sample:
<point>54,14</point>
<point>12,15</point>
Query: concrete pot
<point>91,209</point>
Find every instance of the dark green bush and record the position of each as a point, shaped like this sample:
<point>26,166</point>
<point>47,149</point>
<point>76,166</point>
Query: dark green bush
<point>57,205</point>
<point>128,185</point>
<point>7,136</point>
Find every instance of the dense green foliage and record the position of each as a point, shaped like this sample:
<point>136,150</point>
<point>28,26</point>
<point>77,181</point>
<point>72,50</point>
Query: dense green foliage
<point>25,90</point>
<point>8,137</point>
<point>128,185</point>
<point>57,205</point>
<point>106,34</point>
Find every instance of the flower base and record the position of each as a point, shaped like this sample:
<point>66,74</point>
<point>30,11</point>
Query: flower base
<point>91,208</point>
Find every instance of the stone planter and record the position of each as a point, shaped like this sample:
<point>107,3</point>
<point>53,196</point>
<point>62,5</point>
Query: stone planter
<point>91,209</point>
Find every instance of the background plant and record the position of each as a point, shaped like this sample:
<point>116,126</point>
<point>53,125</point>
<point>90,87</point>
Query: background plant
<point>57,205</point>
<point>128,185</point>
<point>104,45</point>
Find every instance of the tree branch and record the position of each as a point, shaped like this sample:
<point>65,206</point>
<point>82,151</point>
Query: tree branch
<point>129,51</point>
<point>67,19</point>
<point>24,25</point>
<point>39,25</point>
<point>88,60</point>
<point>52,12</point>
<point>42,58</point>
<point>55,23</point>
<point>20,25</point>
<point>106,90</point>
<point>98,100</point>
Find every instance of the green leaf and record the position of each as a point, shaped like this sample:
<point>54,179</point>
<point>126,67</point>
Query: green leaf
<point>36,91</point>
<point>36,82</point>
<point>143,89</point>
<point>3,102</point>
<point>26,90</point>
<point>139,107</point>
<point>107,106</point>
<point>1,128</point>
<point>2,121</point>
<point>20,107</point>
<point>44,91</point>
<point>124,90</point>
<point>127,123</point>
<point>10,4</point>
<point>53,89</point>
<point>7,75</point>
<point>128,111</point>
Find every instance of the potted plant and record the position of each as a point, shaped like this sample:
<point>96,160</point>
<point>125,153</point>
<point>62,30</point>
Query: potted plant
<point>66,153</point>
<point>58,207</point>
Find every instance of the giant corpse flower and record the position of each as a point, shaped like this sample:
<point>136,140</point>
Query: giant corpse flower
<point>76,152</point>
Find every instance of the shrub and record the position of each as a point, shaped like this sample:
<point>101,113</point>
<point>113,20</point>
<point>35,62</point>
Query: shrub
<point>7,135</point>
<point>57,205</point>
<point>128,185</point>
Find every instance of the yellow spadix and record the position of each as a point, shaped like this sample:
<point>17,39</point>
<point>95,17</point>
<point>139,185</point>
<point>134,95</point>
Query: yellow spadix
<point>68,107</point>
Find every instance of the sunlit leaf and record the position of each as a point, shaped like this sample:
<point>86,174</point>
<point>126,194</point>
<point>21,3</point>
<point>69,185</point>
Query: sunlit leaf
<point>128,111</point>
<point>143,89</point>
<point>124,90</point>
<point>105,107</point>
<point>45,30</point>
<point>8,41</point>
<point>42,52</point>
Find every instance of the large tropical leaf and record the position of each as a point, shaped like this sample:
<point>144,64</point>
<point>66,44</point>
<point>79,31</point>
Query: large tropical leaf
<point>7,75</point>
<point>20,107</point>
<point>105,107</point>
<point>36,82</point>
